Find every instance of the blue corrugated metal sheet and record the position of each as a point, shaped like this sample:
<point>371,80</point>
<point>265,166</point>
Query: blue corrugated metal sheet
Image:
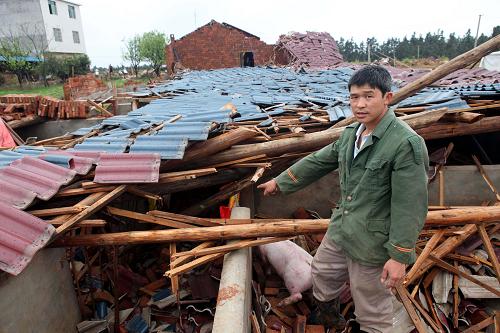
<point>167,147</point>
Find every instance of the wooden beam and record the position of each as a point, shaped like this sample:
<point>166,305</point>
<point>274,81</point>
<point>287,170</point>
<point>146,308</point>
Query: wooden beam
<point>450,268</point>
<point>147,218</point>
<point>57,211</point>
<point>197,234</point>
<point>183,218</point>
<point>183,260</point>
<point>410,309</point>
<point>486,177</point>
<point>90,210</point>
<point>431,244</point>
<point>81,191</point>
<point>443,249</point>
<point>195,263</point>
<point>490,250</point>
<point>100,108</point>
<point>479,326</point>
<point>229,247</point>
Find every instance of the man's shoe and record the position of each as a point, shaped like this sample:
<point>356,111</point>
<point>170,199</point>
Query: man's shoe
<point>328,314</point>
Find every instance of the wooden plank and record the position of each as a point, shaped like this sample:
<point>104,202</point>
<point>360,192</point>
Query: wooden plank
<point>410,309</point>
<point>486,177</point>
<point>183,218</point>
<point>230,247</point>
<point>450,268</point>
<point>444,249</point>
<point>165,177</point>
<point>91,209</point>
<point>420,309</point>
<point>147,218</point>
<point>174,280</point>
<point>57,211</point>
<point>490,250</point>
<point>299,324</point>
<point>143,194</point>
<point>100,108</point>
<point>84,223</point>
<point>431,244</point>
<point>195,263</point>
<point>183,260</point>
<point>479,326</point>
<point>81,191</point>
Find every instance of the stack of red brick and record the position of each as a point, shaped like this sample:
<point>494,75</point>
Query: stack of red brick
<point>82,86</point>
<point>55,108</point>
<point>14,107</point>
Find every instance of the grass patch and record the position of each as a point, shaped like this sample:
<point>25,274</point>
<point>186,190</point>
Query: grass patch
<point>55,90</point>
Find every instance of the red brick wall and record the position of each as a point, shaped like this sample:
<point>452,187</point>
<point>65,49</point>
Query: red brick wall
<point>82,86</point>
<point>217,46</point>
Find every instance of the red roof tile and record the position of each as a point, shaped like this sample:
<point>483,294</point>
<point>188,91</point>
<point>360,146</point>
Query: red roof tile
<point>21,236</point>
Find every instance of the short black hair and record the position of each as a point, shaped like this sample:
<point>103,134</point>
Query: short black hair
<point>375,76</point>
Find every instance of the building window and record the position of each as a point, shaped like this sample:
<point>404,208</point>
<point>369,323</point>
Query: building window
<point>76,37</point>
<point>52,7</point>
<point>57,35</point>
<point>71,12</point>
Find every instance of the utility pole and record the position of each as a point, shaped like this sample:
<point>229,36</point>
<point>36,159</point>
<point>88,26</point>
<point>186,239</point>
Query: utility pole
<point>418,51</point>
<point>369,58</point>
<point>394,57</point>
<point>477,31</point>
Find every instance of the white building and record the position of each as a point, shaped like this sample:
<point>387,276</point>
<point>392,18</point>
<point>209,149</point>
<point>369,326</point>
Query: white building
<point>55,25</point>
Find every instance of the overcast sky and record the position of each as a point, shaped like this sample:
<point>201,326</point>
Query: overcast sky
<point>106,23</point>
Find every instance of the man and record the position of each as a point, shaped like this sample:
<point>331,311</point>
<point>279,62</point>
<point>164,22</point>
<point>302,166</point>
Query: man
<point>371,238</point>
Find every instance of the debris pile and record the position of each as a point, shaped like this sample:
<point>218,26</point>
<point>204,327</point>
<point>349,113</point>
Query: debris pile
<point>207,137</point>
<point>314,50</point>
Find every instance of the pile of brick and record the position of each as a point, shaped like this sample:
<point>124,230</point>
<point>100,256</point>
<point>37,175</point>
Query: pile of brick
<point>82,86</point>
<point>55,108</point>
<point>16,107</point>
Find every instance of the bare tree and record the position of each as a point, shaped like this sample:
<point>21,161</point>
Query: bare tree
<point>38,42</point>
<point>14,54</point>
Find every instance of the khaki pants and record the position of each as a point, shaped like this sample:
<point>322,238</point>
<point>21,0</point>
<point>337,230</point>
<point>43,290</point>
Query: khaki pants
<point>331,268</point>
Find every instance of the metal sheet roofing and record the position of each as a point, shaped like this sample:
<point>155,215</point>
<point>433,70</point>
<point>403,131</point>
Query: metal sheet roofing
<point>21,236</point>
<point>128,168</point>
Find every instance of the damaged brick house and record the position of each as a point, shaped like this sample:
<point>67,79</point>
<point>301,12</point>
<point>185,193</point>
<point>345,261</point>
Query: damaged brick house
<point>217,45</point>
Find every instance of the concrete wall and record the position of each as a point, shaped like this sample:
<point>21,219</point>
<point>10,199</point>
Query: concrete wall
<point>20,17</point>
<point>41,299</point>
<point>67,26</point>
<point>215,45</point>
<point>53,128</point>
<point>463,186</point>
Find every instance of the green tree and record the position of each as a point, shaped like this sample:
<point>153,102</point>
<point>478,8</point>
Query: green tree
<point>152,49</point>
<point>132,53</point>
<point>64,67</point>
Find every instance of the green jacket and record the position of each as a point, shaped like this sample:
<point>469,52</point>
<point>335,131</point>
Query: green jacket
<point>383,203</point>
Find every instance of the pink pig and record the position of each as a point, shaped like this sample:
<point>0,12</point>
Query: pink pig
<point>293,265</point>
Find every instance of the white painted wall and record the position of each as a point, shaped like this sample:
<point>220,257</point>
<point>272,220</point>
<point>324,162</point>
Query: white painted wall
<point>67,26</point>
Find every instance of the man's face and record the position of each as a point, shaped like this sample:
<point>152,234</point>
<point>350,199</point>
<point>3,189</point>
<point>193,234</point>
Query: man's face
<point>368,104</point>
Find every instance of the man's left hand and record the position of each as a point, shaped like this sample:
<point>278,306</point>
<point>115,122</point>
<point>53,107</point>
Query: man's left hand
<point>393,272</point>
